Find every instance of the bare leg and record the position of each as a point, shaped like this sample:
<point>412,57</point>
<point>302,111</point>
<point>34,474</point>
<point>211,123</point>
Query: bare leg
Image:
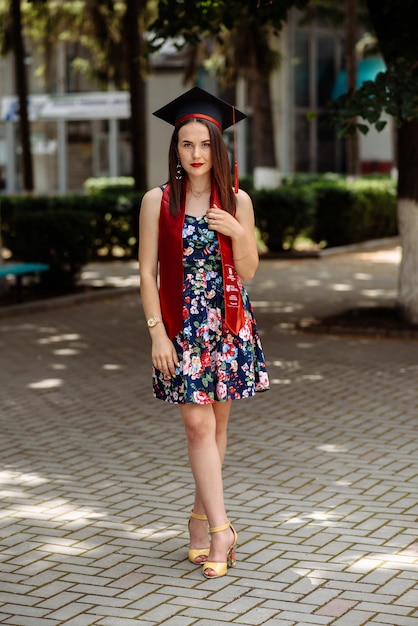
<point>221,411</point>
<point>206,427</point>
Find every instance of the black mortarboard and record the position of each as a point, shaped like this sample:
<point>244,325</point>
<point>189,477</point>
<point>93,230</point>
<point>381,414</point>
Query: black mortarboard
<point>198,103</point>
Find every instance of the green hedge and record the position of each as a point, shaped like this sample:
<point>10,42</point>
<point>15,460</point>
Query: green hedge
<point>109,186</point>
<point>283,214</point>
<point>354,211</point>
<point>68,231</point>
<point>340,211</point>
<point>326,208</point>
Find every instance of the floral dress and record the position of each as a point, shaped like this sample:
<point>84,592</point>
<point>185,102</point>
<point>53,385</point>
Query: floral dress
<point>214,364</point>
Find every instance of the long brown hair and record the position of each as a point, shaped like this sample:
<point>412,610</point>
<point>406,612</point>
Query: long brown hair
<point>221,170</point>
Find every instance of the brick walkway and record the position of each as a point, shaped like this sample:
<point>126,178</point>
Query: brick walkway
<point>321,476</point>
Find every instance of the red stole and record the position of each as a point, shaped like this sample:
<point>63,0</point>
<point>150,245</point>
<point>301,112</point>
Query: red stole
<point>170,246</point>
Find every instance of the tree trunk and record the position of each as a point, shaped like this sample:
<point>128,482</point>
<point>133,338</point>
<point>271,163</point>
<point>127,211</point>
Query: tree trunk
<point>408,219</point>
<point>133,38</point>
<point>394,25</point>
<point>350,27</point>
<point>22,93</point>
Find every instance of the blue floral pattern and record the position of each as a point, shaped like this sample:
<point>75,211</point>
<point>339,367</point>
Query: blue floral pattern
<point>215,365</point>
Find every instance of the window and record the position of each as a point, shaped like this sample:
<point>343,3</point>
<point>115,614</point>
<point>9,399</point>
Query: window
<point>314,66</point>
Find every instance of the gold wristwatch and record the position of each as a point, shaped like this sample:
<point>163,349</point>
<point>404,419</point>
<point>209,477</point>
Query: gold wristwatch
<point>153,321</point>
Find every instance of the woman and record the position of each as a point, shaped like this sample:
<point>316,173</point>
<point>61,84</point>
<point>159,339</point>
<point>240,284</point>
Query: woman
<point>197,243</point>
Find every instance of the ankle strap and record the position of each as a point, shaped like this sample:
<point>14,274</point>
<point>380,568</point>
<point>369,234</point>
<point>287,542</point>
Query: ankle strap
<point>197,516</point>
<point>217,529</point>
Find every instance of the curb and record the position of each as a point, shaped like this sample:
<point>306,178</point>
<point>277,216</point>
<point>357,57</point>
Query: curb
<point>293,255</point>
<point>371,244</point>
<point>369,332</point>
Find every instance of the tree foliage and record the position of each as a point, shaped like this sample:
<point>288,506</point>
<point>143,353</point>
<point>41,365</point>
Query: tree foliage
<point>191,20</point>
<point>112,53</point>
<point>241,32</point>
<point>332,13</point>
<point>395,91</point>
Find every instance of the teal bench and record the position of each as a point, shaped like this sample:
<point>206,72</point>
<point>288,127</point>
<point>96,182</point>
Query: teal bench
<point>18,270</point>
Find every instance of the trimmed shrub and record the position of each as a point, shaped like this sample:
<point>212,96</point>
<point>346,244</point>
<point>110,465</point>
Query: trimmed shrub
<point>282,214</point>
<point>334,215</point>
<point>60,237</point>
<point>69,231</point>
<point>116,224</point>
<point>353,211</point>
<point>342,211</point>
<point>117,185</point>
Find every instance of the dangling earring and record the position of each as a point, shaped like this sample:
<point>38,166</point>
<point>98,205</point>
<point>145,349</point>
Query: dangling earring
<point>179,170</point>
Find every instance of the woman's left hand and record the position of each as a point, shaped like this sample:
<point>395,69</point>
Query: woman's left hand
<point>223,222</point>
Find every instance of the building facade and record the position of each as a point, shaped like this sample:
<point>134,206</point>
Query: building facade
<point>73,139</point>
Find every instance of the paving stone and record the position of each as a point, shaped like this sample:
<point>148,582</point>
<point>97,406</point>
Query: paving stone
<point>354,618</point>
<point>401,621</point>
<point>309,620</point>
<point>121,621</point>
<point>18,609</point>
<point>408,599</point>
<point>281,622</point>
<point>320,476</point>
<point>80,620</point>
<point>258,615</point>
<point>336,607</point>
<point>178,620</point>
<point>25,620</point>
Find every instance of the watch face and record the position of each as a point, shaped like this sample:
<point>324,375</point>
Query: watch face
<point>152,322</point>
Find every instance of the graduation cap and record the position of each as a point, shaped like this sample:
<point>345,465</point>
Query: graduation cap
<point>200,104</point>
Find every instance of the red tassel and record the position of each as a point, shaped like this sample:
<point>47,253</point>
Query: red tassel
<point>236,179</point>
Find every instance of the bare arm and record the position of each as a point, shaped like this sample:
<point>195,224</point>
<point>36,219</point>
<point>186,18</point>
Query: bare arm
<point>163,354</point>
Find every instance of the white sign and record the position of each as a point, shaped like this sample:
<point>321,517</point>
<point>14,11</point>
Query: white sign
<point>80,106</point>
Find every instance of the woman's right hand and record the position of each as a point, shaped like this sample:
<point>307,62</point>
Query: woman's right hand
<point>163,354</point>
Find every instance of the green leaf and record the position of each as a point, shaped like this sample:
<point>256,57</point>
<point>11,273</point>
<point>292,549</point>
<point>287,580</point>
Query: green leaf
<point>394,92</point>
<point>380,125</point>
<point>363,128</point>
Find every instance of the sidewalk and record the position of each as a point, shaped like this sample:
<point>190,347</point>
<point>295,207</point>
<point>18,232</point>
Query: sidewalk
<point>321,475</point>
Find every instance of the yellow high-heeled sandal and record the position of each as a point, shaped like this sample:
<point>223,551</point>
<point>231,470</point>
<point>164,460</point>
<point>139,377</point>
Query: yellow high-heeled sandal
<point>221,568</point>
<point>195,553</point>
